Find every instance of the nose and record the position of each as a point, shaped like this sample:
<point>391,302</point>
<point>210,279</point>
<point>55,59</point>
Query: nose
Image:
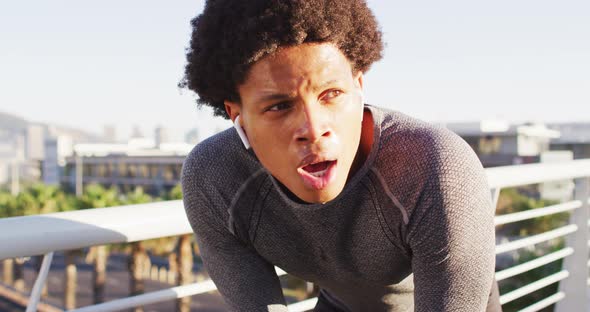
<point>313,124</point>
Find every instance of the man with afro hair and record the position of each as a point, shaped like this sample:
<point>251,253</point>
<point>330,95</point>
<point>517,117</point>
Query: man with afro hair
<point>380,210</point>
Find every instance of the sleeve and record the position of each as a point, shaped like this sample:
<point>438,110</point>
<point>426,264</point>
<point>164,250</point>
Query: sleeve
<point>246,281</point>
<point>451,232</point>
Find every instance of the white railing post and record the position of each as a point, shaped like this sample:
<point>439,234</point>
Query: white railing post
<point>39,283</point>
<point>576,286</point>
<point>495,197</point>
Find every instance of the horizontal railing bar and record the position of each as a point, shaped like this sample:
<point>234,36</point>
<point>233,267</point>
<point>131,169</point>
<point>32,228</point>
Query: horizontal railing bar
<point>535,239</point>
<point>302,306</point>
<point>151,297</point>
<point>537,212</point>
<point>533,264</point>
<point>534,286</point>
<point>157,296</point>
<point>509,176</point>
<point>41,234</point>
<point>544,303</point>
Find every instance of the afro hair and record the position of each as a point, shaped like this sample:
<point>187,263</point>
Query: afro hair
<point>230,35</point>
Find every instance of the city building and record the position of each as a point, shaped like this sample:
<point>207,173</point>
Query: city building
<point>139,163</point>
<point>192,136</point>
<point>12,159</point>
<point>25,146</point>
<point>160,136</point>
<point>19,150</point>
<point>499,143</point>
<point>109,134</point>
<point>574,137</point>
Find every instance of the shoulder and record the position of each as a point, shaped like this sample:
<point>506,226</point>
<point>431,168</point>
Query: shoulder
<point>426,166</point>
<point>422,148</point>
<point>213,174</point>
<point>210,151</point>
<point>218,158</point>
<point>214,170</point>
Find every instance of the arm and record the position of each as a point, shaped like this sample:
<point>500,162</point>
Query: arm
<point>451,233</point>
<point>246,281</point>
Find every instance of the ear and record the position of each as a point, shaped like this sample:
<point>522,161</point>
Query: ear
<point>358,80</point>
<point>232,109</point>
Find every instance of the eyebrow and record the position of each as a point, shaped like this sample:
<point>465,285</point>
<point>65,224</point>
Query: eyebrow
<point>275,97</point>
<point>284,96</point>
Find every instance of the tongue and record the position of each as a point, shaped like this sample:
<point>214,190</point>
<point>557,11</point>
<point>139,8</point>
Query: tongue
<point>317,167</point>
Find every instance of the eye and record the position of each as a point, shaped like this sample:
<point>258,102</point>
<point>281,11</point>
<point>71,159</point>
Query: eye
<point>330,94</point>
<point>279,106</point>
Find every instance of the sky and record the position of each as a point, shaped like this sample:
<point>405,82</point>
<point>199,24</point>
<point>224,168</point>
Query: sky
<point>87,64</point>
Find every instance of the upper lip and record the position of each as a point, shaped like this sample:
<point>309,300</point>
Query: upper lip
<point>314,159</point>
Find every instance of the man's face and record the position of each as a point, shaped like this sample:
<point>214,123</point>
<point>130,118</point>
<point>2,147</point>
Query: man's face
<point>301,108</point>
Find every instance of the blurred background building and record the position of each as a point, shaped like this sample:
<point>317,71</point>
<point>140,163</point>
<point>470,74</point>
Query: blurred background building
<point>500,143</point>
<point>52,154</point>
<point>153,164</point>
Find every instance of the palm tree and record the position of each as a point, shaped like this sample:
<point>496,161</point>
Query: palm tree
<point>96,196</point>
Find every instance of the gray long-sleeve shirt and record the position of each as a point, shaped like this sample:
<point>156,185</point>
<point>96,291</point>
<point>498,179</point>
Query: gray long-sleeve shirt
<point>420,204</point>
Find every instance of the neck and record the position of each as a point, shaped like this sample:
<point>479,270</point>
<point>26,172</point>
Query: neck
<point>365,144</point>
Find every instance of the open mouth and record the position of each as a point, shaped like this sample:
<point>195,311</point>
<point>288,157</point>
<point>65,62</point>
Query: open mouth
<point>318,169</point>
<point>318,175</point>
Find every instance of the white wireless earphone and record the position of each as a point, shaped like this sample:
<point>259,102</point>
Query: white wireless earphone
<point>241,132</point>
<point>363,105</point>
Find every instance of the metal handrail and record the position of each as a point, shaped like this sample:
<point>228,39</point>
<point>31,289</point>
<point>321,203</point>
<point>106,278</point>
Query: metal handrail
<point>537,212</point>
<point>544,303</point>
<point>43,234</point>
<point>534,286</point>
<point>157,296</point>
<point>533,264</point>
<point>509,176</point>
<point>536,239</point>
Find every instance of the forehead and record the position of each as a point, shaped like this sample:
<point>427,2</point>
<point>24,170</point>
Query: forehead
<point>293,67</point>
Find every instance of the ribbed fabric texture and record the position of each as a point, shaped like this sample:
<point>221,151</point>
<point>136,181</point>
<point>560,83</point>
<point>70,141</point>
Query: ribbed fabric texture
<point>411,231</point>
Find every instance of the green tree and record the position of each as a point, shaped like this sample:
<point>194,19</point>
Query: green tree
<point>8,205</point>
<point>8,208</point>
<point>175,193</point>
<point>513,200</point>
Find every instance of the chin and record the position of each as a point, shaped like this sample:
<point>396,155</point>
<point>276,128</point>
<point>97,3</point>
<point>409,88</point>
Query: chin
<point>320,197</point>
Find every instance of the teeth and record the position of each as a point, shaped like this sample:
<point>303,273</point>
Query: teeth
<point>318,174</point>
